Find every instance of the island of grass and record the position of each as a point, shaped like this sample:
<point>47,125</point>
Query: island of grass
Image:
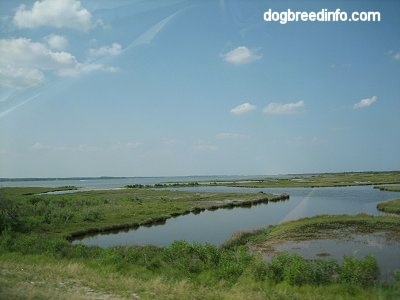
<point>391,206</point>
<point>37,260</point>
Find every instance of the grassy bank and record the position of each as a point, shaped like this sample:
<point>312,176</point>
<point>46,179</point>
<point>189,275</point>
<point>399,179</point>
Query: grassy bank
<point>320,180</point>
<point>67,215</point>
<point>392,206</point>
<point>324,226</point>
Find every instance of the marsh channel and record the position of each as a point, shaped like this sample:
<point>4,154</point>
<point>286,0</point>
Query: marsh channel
<point>217,226</point>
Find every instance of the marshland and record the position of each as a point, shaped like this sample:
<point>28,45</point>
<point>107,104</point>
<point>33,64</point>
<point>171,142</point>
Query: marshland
<point>38,260</point>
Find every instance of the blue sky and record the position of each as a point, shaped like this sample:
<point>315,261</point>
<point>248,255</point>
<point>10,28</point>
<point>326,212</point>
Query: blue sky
<point>159,88</point>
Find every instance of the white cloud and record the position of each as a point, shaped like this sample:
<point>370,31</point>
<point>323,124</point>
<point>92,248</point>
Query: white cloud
<point>126,146</point>
<point>56,42</point>
<point>365,102</point>
<point>394,55</point>
<point>283,108</point>
<point>85,68</point>
<point>19,77</point>
<point>243,108</point>
<point>205,147</point>
<point>39,146</point>
<point>114,49</point>
<point>229,136</point>
<point>241,55</point>
<point>45,147</point>
<point>55,13</point>
<point>23,63</point>
<point>85,148</point>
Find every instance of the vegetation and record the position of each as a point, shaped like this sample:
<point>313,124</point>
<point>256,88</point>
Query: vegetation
<point>74,214</point>
<point>389,188</point>
<point>296,270</point>
<point>392,206</point>
<point>38,262</point>
<point>318,227</point>
<point>320,180</point>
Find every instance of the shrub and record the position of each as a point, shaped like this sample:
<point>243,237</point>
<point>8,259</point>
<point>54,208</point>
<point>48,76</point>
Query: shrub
<point>363,272</point>
<point>298,271</point>
<point>9,214</point>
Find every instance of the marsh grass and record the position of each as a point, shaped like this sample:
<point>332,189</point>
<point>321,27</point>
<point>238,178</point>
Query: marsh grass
<point>320,180</point>
<point>37,262</point>
<point>392,206</point>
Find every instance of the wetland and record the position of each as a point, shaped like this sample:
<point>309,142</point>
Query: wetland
<point>221,248</point>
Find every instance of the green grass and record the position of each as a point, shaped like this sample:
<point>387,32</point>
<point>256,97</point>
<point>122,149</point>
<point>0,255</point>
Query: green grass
<point>73,214</point>
<point>318,227</point>
<point>389,188</point>
<point>392,206</point>
<point>37,262</point>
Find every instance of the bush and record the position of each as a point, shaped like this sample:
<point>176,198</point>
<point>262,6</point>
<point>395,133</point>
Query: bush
<point>296,270</point>
<point>9,214</point>
<point>363,272</point>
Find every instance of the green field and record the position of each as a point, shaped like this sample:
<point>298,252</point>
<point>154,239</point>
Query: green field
<point>38,262</point>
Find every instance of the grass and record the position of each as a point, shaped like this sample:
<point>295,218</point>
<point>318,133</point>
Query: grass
<point>319,180</point>
<point>318,227</point>
<point>68,215</point>
<point>389,188</point>
<point>37,262</point>
<point>44,277</point>
<point>392,206</point>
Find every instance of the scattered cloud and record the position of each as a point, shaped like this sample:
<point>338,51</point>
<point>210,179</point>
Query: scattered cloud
<point>205,147</point>
<point>39,146</point>
<point>126,146</point>
<point>229,136</point>
<point>85,68</point>
<point>85,148</point>
<point>365,102</point>
<point>24,63</point>
<point>394,54</point>
<point>169,142</point>
<point>56,42</point>
<point>243,108</point>
<point>114,49</point>
<point>54,13</point>
<point>241,55</point>
<point>283,108</point>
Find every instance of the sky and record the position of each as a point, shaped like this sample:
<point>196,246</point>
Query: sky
<point>184,87</point>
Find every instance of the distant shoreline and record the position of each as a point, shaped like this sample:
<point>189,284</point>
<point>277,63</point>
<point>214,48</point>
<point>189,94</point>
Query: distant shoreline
<point>246,177</point>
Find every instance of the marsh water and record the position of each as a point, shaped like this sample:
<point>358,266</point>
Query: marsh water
<point>385,249</point>
<point>216,227</point>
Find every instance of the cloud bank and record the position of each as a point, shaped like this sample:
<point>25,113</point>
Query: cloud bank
<point>24,63</point>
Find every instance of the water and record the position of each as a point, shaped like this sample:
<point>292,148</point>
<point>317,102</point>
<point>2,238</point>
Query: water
<point>384,249</point>
<point>108,183</point>
<point>216,227</point>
